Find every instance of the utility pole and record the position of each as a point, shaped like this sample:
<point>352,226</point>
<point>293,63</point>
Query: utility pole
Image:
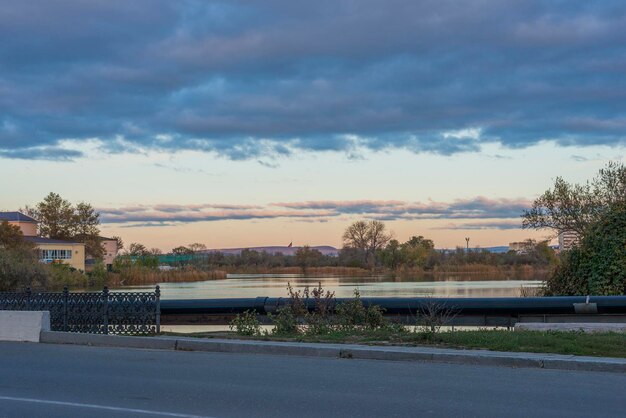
<point>467,243</point>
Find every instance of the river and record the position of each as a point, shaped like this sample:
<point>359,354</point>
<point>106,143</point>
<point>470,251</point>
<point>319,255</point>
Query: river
<point>275,285</point>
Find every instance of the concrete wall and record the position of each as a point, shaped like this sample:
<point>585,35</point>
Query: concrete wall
<point>23,325</point>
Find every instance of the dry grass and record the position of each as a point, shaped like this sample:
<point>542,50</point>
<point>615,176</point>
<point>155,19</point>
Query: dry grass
<point>144,276</point>
<point>137,277</point>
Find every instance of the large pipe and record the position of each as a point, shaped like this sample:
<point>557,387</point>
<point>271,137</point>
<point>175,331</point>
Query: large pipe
<point>410,306</point>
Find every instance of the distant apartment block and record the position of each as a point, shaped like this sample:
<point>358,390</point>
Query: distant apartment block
<point>518,247</point>
<point>49,250</point>
<point>568,239</point>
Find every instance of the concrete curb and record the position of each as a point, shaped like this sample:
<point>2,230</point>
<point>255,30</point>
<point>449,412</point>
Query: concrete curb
<point>346,351</point>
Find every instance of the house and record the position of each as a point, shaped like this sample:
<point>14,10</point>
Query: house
<point>48,250</point>
<point>109,246</point>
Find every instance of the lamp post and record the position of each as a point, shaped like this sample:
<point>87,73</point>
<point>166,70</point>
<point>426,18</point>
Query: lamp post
<point>467,243</point>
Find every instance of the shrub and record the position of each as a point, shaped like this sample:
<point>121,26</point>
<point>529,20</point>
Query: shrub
<point>62,275</point>
<point>20,269</point>
<point>285,322</point>
<point>598,265</point>
<point>433,315</point>
<point>353,315</point>
<point>98,276</point>
<point>246,324</point>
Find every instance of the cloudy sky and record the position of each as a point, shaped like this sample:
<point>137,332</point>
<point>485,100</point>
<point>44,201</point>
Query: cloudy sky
<point>259,123</point>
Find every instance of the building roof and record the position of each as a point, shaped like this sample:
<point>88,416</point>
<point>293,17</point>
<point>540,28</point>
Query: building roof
<point>41,240</point>
<point>16,217</point>
<point>101,238</point>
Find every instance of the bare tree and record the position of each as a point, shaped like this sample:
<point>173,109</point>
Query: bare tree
<point>196,246</point>
<point>368,237</point>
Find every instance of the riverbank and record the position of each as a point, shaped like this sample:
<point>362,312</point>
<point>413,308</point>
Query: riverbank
<point>571,343</point>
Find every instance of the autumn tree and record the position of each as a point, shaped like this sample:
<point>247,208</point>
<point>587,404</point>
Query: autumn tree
<point>417,250</point>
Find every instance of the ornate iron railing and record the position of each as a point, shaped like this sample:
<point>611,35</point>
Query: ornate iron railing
<point>123,313</point>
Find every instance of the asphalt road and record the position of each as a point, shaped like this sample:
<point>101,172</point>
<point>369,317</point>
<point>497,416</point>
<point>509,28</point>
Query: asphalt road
<point>43,380</point>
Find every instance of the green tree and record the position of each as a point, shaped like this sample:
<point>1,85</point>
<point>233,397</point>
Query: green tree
<point>19,267</point>
<point>181,250</point>
<point>307,257</point>
<point>574,207</point>
<point>56,217</point>
<point>391,255</point>
<point>598,265</point>
<point>137,249</point>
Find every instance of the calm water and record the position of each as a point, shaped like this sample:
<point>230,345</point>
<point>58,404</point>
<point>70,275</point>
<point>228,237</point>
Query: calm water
<point>248,286</point>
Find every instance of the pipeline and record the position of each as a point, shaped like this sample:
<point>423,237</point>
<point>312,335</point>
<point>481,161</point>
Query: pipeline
<point>410,306</point>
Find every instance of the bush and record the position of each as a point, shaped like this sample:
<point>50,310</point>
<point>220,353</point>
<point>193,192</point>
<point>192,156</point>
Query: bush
<point>352,315</point>
<point>62,275</point>
<point>20,269</point>
<point>598,265</point>
<point>246,324</point>
<point>285,322</point>
<point>98,276</point>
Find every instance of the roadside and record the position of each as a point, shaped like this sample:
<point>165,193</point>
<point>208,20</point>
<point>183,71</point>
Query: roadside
<point>345,351</point>
<point>608,344</point>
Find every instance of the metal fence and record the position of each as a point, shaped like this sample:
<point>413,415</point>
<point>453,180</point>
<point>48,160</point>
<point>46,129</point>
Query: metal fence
<point>123,313</point>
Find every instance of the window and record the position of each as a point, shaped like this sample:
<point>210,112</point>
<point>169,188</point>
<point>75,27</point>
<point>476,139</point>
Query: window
<point>50,255</point>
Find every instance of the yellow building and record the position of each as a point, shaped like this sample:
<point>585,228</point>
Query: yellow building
<point>49,250</point>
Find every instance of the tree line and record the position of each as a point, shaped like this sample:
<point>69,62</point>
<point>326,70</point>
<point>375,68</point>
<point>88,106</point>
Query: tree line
<point>595,211</point>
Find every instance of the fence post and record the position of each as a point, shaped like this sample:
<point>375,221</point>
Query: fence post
<point>157,292</point>
<point>28,295</point>
<point>105,293</point>
<point>65,308</point>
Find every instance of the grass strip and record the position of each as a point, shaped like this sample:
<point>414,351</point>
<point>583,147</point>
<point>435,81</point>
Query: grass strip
<point>556,342</point>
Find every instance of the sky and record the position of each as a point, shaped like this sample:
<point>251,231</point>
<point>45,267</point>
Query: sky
<point>245,123</point>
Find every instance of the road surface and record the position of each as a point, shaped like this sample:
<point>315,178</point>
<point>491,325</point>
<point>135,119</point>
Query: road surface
<point>44,380</point>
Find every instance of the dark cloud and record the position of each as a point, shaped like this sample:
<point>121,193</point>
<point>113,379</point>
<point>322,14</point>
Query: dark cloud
<point>502,210</point>
<point>50,153</point>
<point>249,79</point>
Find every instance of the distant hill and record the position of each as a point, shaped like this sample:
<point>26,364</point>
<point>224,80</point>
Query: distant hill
<point>328,250</point>
<point>498,249</point>
<point>324,249</point>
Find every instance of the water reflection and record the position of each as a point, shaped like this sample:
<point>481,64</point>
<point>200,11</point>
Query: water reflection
<point>247,286</point>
